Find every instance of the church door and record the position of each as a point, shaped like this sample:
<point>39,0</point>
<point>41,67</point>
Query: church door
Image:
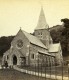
<point>23,61</point>
<point>14,60</point>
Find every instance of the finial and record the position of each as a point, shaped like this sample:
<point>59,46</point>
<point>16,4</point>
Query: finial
<point>20,28</point>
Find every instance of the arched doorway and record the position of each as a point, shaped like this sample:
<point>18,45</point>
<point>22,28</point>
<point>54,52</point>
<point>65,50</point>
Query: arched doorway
<point>14,60</point>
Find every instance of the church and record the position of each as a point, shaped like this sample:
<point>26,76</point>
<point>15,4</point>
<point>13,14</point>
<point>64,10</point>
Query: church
<point>28,49</point>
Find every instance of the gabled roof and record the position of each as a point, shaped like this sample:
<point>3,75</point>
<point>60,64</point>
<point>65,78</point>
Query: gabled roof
<point>42,24</point>
<point>46,53</point>
<point>34,40</point>
<point>54,47</point>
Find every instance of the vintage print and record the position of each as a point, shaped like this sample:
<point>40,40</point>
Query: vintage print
<point>34,39</point>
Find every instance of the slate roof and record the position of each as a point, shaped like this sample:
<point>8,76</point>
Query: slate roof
<point>54,47</point>
<point>42,24</point>
<point>34,40</point>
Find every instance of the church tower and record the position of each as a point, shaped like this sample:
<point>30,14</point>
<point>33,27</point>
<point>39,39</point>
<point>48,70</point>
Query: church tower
<point>42,30</point>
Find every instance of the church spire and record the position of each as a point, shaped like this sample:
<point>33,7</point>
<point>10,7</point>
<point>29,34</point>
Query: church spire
<point>42,24</point>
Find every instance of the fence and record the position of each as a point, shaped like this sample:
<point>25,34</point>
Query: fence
<point>48,72</point>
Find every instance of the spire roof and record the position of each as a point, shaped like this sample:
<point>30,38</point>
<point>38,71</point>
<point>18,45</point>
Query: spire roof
<point>42,24</point>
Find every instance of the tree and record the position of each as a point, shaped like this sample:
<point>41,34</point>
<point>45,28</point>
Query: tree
<point>61,33</point>
<point>65,34</point>
<point>65,22</point>
<point>5,43</point>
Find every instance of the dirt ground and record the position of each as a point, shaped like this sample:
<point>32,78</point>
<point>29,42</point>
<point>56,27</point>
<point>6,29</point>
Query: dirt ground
<point>10,74</point>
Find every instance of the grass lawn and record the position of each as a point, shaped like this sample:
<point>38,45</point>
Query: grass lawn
<point>10,74</point>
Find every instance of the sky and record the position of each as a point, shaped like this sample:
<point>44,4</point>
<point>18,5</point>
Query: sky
<point>25,13</point>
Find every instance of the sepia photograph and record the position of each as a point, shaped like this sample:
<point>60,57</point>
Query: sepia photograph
<point>34,39</point>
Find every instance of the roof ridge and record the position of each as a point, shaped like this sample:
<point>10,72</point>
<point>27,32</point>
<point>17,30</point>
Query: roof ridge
<point>33,39</point>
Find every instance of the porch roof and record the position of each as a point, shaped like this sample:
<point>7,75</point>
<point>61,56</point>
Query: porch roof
<point>54,47</point>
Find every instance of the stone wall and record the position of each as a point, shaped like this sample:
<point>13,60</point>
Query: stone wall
<point>44,59</point>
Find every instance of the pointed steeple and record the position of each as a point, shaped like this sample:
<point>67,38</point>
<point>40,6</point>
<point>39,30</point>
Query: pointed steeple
<point>42,24</point>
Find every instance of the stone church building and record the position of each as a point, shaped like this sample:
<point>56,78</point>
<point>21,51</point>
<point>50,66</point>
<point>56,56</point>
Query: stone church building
<point>28,49</point>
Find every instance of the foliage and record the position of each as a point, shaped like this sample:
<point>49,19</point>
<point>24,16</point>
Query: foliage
<point>62,34</point>
<point>5,43</point>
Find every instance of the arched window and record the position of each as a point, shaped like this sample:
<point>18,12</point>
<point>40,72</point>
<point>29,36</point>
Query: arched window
<point>7,57</point>
<point>32,56</point>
